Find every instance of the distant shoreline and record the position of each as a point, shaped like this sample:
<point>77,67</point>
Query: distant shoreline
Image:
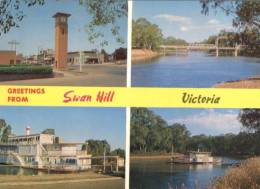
<point>154,156</point>
<point>139,55</point>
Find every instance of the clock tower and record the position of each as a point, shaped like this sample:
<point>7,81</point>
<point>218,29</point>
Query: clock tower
<point>61,40</point>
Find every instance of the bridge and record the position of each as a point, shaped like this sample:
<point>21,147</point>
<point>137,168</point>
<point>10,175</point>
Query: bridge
<point>202,47</point>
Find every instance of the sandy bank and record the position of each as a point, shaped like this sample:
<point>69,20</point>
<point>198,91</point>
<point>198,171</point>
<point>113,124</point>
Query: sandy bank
<point>250,83</point>
<point>143,54</point>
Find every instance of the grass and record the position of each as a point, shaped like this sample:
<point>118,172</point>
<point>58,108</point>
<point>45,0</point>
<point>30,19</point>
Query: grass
<point>44,179</point>
<point>50,177</point>
<point>114,184</point>
<point>25,69</point>
<point>246,176</point>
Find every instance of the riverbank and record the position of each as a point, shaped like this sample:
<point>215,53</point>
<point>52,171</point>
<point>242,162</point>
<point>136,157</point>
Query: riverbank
<point>247,175</point>
<point>249,83</point>
<point>143,54</point>
<point>66,181</point>
<point>154,156</point>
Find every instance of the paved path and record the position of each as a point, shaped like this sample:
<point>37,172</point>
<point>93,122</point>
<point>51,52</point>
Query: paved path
<point>91,75</point>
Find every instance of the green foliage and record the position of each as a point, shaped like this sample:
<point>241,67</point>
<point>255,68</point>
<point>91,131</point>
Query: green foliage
<point>118,152</point>
<point>246,18</point>
<point>211,40</point>
<point>5,130</point>
<point>250,119</point>
<point>96,147</point>
<point>104,13</point>
<point>49,131</point>
<point>146,35</point>
<point>150,133</point>
<point>231,39</point>
<point>25,69</point>
<point>11,13</point>
<point>174,41</point>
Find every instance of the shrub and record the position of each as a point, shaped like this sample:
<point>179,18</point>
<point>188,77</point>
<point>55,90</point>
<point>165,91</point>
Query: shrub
<point>25,69</point>
<point>246,176</point>
<point>15,65</point>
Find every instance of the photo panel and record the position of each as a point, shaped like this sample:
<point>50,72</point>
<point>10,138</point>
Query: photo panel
<point>63,43</point>
<point>194,148</point>
<point>195,44</point>
<point>50,147</point>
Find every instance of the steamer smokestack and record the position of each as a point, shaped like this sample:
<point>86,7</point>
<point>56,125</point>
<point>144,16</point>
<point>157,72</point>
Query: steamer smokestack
<point>27,130</point>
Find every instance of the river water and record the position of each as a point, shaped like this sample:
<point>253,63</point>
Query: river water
<point>12,170</point>
<point>158,174</point>
<point>196,69</point>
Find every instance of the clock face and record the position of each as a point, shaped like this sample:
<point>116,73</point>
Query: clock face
<point>63,19</point>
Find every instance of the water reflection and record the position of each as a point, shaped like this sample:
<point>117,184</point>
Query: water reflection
<point>154,174</point>
<point>11,170</point>
<point>197,69</point>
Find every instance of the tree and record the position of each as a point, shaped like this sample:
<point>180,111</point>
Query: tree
<point>120,54</point>
<point>11,13</point>
<point>174,41</point>
<point>146,35</point>
<point>231,39</point>
<point>118,152</point>
<point>151,133</point>
<point>140,119</point>
<point>102,12</point>
<point>246,18</point>
<point>96,147</point>
<point>5,130</point>
<point>250,119</point>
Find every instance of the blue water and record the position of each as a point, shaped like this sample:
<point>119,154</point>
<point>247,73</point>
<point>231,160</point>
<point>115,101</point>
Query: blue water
<point>158,174</point>
<point>197,69</point>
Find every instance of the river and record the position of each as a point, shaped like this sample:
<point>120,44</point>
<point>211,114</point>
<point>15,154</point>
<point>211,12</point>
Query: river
<point>196,69</point>
<point>12,170</point>
<point>158,174</point>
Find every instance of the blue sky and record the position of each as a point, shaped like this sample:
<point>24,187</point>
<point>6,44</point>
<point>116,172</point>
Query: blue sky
<point>37,29</point>
<point>182,19</point>
<point>203,121</point>
<point>72,124</point>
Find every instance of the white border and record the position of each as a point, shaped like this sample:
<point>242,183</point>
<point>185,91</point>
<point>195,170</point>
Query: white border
<point>128,84</point>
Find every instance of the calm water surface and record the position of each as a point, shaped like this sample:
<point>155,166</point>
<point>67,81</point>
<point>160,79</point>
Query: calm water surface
<point>158,174</point>
<point>197,69</point>
<point>10,170</point>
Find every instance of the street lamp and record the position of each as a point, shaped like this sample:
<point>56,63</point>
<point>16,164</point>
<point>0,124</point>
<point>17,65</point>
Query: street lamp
<point>13,44</point>
<point>104,164</point>
<point>80,60</point>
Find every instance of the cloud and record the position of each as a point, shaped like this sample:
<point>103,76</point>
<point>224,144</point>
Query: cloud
<point>213,22</point>
<point>212,121</point>
<point>184,28</point>
<point>174,18</point>
<point>211,26</point>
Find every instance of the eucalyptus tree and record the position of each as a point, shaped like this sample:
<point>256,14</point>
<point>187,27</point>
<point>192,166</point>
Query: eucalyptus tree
<point>246,19</point>
<point>5,130</point>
